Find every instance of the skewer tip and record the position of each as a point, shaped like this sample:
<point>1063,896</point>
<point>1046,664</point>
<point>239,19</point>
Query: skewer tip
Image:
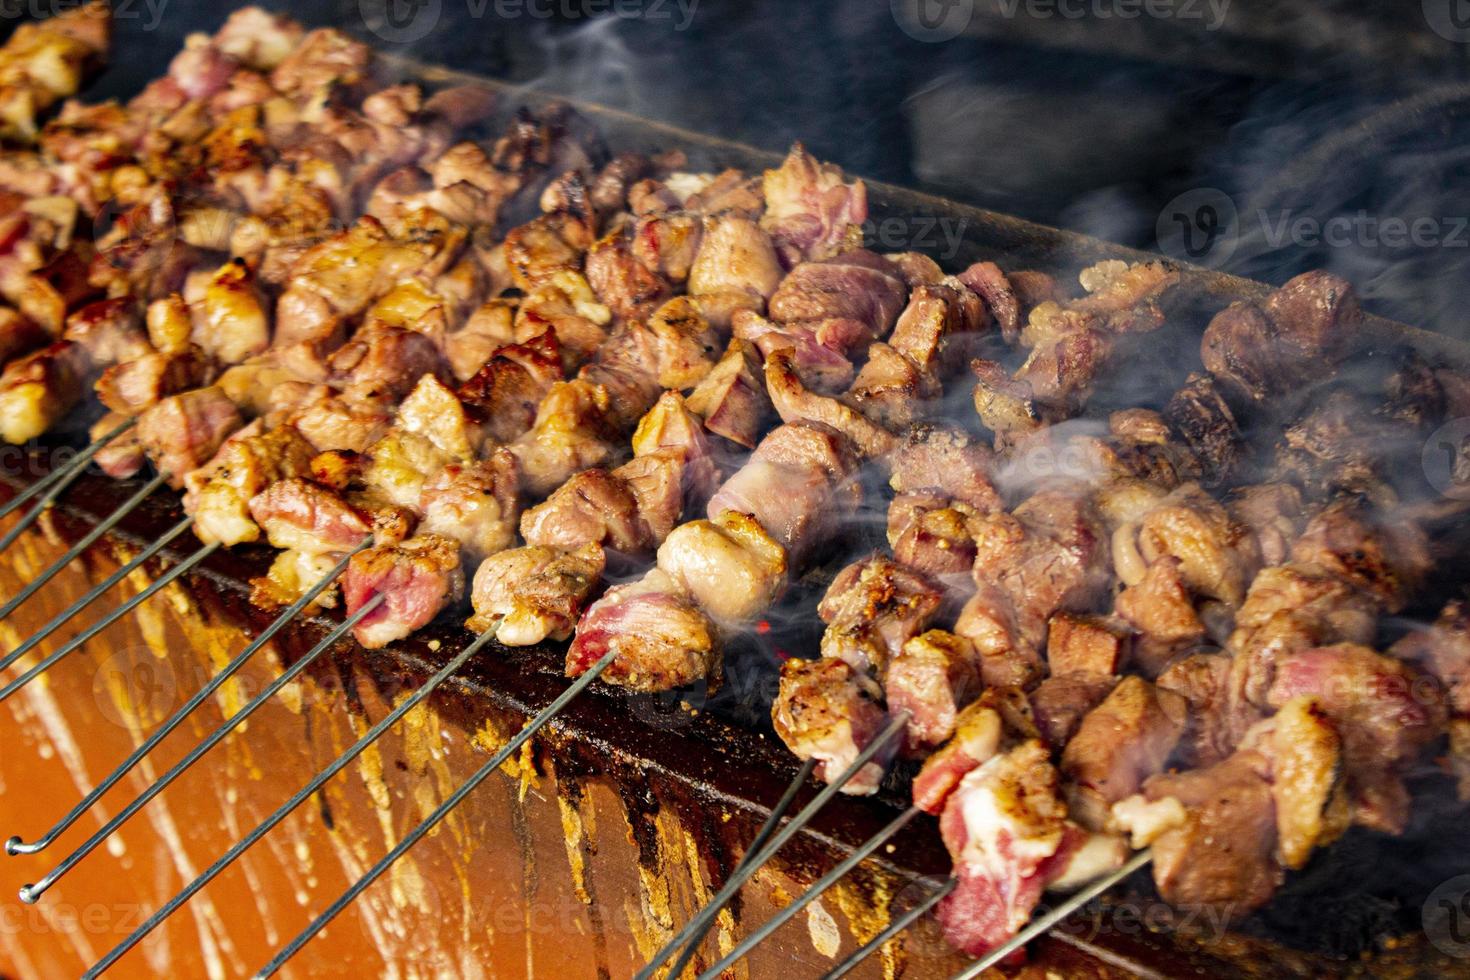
<point>29,895</point>
<point>12,846</point>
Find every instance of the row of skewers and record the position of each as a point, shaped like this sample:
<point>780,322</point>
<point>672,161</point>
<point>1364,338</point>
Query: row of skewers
<point>416,363</point>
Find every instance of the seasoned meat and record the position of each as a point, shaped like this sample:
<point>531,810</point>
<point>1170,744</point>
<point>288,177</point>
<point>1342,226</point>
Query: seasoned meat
<point>1059,703</point>
<point>933,677</point>
<point>123,457</point>
<point>531,594</point>
<point>1223,854</point>
<point>629,510</point>
<point>220,493</point>
<point>671,427</point>
<point>1202,417</point>
<point>305,517</point>
<point>947,462</point>
<point>1308,783</point>
<point>1386,558</point>
<point>417,579</point>
<point>1120,743</point>
<point>623,283</point>
<point>872,608</point>
<point>231,324</point>
<point>731,567</point>
<point>978,731</point>
<point>732,397</point>
<point>293,574</point>
<point>932,534</point>
<point>810,212</point>
<point>475,504</point>
<point>794,402</point>
<point>1086,644</point>
<point>508,388</point>
<point>662,639</point>
<point>1159,608</point>
<point>794,485</point>
<point>570,433</point>
<point>856,285</point>
<point>1000,296</point>
<point>1002,825</point>
<point>1385,714</point>
<point>1299,334</point>
<point>736,263</point>
<point>36,391</point>
<point>1273,512</point>
<point>1203,679</point>
<point>182,431</point>
<point>133,386</point>
<point>827,711</point>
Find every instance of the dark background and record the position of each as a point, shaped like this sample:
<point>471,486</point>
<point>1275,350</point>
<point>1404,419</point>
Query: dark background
<point>1287,114</point>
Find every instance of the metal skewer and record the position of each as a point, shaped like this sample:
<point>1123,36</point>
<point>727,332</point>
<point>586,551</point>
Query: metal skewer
<point>67,472</point>
<point>767,829</point>
<point>250,839</point>
<point>77,641</point>
<point>895,927</point>
<point>1050,920</point>
<point>15,845</point>
<point>30,893</point>
<point>417,834</point>
<point>811,894</point>
<point>96,593</point>
<point>737,880</point>
<point>86,542</point>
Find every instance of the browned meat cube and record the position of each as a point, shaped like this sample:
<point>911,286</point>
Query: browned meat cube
<point>1160,609</point>
<point>1216,719</point>
<point>230,320</point>
<point>735,258</point>
<point>856,285</point>
<point>133,386</point>
<point>220,493</point>
<point>1120,743</point>
<point>729,566</point>
<point>932,678</point>
<point>827,711</point>
<point>1384,557</point>
<point>795,402</point>
<point>1059,703</point>
<point>872,608</point>
<point>123,457</point>
<point>476,504</point>
<point>795,485</point>
<point>732,397</point>
<point>183,431</point>
<point>1443,649</point>
<point>530,594</point>
<point>508,388</point>
<point>1081,644</point>
<point>810,211</point>
<point>948,463</point>
<point>417,579</point>
<point>1222,854</point>
<point>662,640</point>
<point>36,391</point>
<point>931,534</point>
<point>111,330</point>
<point>1308,780</point>
<point>1384,712</point>
<point>306,517</point>
<point>623,283</point>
